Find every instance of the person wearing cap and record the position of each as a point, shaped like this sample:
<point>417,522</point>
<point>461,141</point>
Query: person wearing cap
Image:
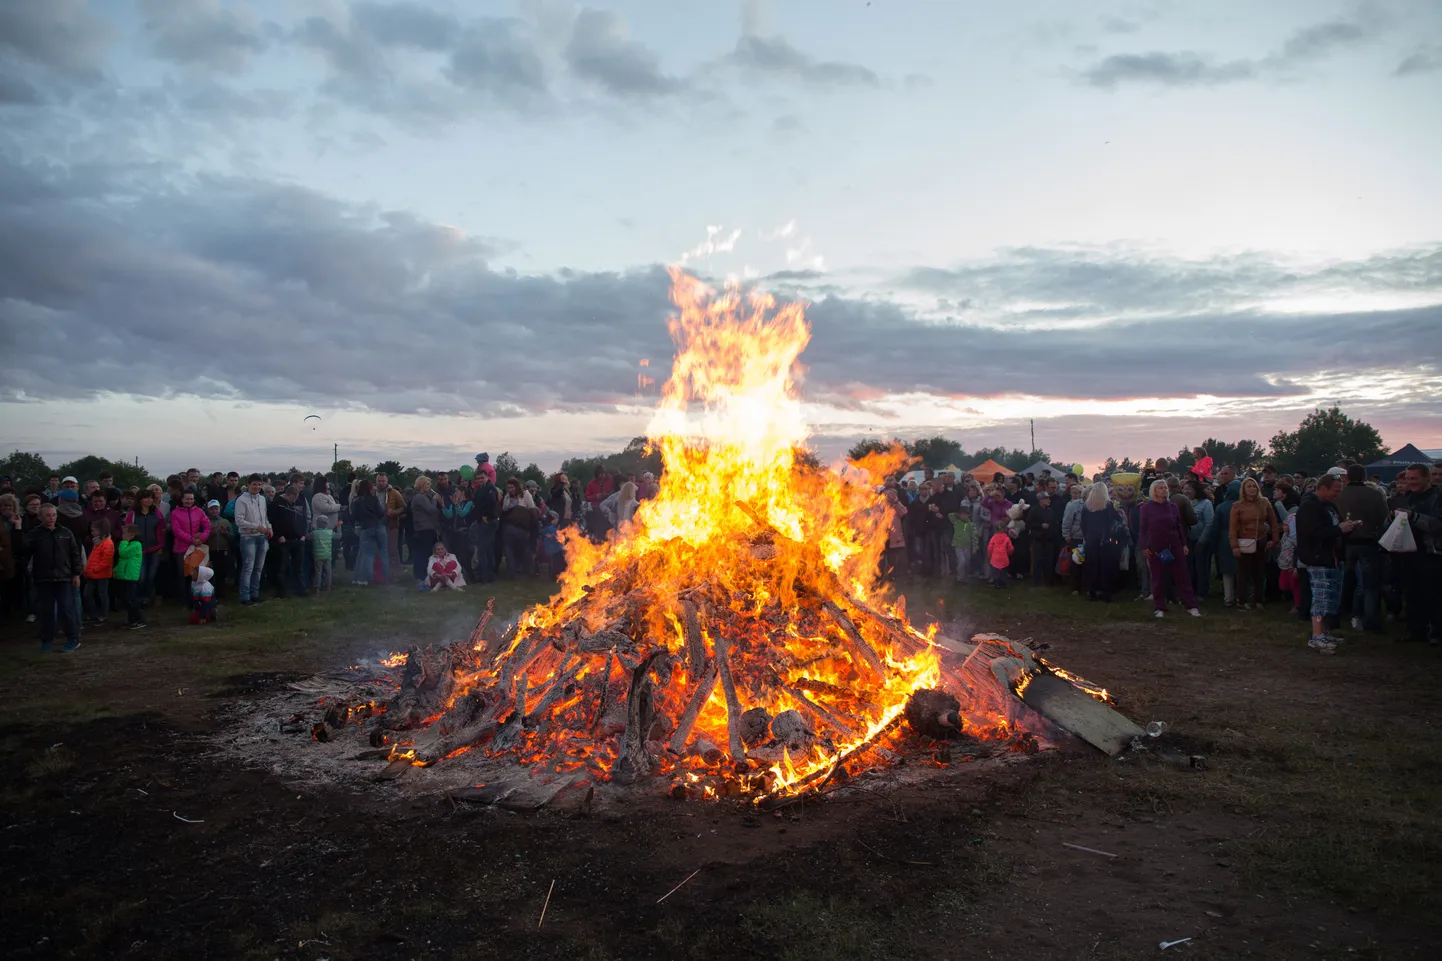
<point>222,545</point>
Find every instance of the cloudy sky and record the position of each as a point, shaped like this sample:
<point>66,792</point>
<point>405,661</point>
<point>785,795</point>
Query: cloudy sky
<point>443,225</point>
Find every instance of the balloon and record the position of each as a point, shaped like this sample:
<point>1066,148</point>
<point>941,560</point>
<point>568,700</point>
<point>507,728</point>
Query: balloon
<point>1078,470</point>
<point>467,472</point>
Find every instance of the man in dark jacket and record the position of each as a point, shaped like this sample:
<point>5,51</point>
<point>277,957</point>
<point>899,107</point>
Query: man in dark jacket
<point>1043,525</point>
<point>1421,570</point>
<point>1319,538</point>
<point>1362,563</point>
<point>99,509</point>
<point>288,520</point>
<point>55,570</point>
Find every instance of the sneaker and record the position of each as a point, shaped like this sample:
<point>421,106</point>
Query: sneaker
<point>136,626</point>
<point>1244,607</point>
<point>1159,613</point>
<point>1322,645</point>
<point>1194,612</point>
<point>1356,623</point>
<point>1333,638</point>
<point>1144,597</point>
<point>71,646</point>
<point>46,647</point>
<point>423,587</point>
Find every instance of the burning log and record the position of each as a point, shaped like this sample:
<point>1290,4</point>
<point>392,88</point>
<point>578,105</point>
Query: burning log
<point>699,696</point>
<point>934,714</point>
<point>695,644</point>
<point>755,727</point>
<point>822,714</point>
<point>635,762</point>
<point>733,703</point>
<point>790,728</point>
<point>860,648</point>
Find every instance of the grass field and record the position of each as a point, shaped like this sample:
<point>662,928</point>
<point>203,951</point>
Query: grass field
<point>1313,832</point>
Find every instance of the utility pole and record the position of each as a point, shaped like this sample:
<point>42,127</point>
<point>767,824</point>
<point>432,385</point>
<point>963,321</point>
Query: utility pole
<point>1033,433</point>
<point>334,453</point>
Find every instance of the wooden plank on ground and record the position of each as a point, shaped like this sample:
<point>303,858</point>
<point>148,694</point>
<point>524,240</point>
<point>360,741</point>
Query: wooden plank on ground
<point>1080,713</point>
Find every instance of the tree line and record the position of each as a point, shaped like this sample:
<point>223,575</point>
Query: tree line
<point>1324,437</point>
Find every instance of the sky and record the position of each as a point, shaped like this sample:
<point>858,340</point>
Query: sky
<point>443,226</point>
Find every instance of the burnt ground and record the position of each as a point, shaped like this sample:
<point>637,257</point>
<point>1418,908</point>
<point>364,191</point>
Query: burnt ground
<point>1313,832</point>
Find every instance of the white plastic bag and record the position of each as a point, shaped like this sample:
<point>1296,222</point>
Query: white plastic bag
<point>1398,538</point>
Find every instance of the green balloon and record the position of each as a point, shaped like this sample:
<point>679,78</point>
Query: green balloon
<point>1078,470</point>
<point>467,472</point>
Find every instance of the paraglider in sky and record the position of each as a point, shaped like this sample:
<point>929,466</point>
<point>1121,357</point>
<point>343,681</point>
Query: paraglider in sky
<point>311,417</point>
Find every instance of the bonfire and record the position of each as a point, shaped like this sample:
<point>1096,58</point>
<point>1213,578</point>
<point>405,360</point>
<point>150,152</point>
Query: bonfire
<point>733,637</point>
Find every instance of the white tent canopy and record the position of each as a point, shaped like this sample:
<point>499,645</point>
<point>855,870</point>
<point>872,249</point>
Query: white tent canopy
<point>1041,465</point>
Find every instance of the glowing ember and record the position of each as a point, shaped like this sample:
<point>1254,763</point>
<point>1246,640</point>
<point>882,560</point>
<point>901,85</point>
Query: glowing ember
<point>732,637</point>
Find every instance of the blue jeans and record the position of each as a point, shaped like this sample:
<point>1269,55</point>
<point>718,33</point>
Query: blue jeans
<point>483,545</point>
<point>56,600</point>
<point>253,548</point>
<point>1365,560</point>
<point>149,564</point>
<point>95,596</point>
<point>373,543</point>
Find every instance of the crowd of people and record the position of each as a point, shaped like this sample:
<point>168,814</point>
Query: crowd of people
<point>70,554</point>
<point>1315,543</point>
<point>73,552</point>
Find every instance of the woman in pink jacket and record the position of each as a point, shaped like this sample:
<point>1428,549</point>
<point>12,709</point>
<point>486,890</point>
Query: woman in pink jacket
<point>188,526</point>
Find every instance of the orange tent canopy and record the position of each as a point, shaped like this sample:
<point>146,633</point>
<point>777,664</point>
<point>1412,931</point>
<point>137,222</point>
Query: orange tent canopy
<point>984,471</point>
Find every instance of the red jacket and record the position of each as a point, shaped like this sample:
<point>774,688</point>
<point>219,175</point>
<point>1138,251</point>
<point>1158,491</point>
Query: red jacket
<point>598,490</point>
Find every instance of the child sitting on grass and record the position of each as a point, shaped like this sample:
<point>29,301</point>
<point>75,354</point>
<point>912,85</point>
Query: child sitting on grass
<point>129,556</point>
<point>444,570</point>
<point>999,551</point>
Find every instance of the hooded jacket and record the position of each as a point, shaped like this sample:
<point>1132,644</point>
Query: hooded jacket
<point>128,555</point>
<point>152,529</point>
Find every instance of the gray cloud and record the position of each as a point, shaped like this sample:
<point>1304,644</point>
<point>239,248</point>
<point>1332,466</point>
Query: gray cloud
<point>63,35</point>
<point>1423,61</point>
<point>1185,69</point>
<point>14,90</point>
<point>498,57</point>
<point>776,57</point>
<point>201,32</point>
<point>601,51</point>
<point>406,25</point>
<point>1190,69</point>
<point>159,285</point>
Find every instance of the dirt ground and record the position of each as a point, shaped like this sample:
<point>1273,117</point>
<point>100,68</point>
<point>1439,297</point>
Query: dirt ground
<point>1313,832</point>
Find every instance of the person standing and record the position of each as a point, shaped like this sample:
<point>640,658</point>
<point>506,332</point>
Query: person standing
<point>425,528</point>
<point>252,526</point>
<point>485,524</point>
<point>1105,540</point>
<point>372,549</point>
<point>1422,569</point>
<point>1163,540</point>
<point>1071,530</point>
<point>1199,538</point>
<point>1319,537</point>
<point>1360,501</point>
<point>1252,532</point>
<point>129,560</point>
<point>1044,527</point>
<point>394,506</point>
<point>288,520</point>
<point>189,527</point>
<point>518,515</point>
<point>12,566</point>
<point>55,571</point>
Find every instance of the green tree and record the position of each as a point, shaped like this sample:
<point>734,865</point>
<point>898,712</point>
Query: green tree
<point>341,468</point>
<point>1241,455</point>
<point>1013,459</point>
<point>936,452</point>
<point>1324,438</point>
<point>506,466</point>
<point>805,459</point>
<point>28,472</point>
<point>532,472</point>
<point>391,468</point>
<point>90,467</point>
<point>867,447</point>
<point>1125,466</point>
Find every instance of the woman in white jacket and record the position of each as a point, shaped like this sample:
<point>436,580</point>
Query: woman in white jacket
<point>322,504</point>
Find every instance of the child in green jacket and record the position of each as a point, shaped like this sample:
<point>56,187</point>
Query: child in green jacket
<point>126,574</point>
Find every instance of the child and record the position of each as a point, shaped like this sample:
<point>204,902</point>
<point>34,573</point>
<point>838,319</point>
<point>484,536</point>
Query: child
<point>322,541</point>
<point>551,544</point>
<point>202,596</point>
<point>222,534</point>
<point>98,568</point>
<point>963,540</point>
<point>128,560</point>
<point>999,552</point>
<point>444,570</point>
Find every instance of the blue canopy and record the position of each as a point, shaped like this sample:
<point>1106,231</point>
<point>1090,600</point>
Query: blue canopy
<point>1396,462</point>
